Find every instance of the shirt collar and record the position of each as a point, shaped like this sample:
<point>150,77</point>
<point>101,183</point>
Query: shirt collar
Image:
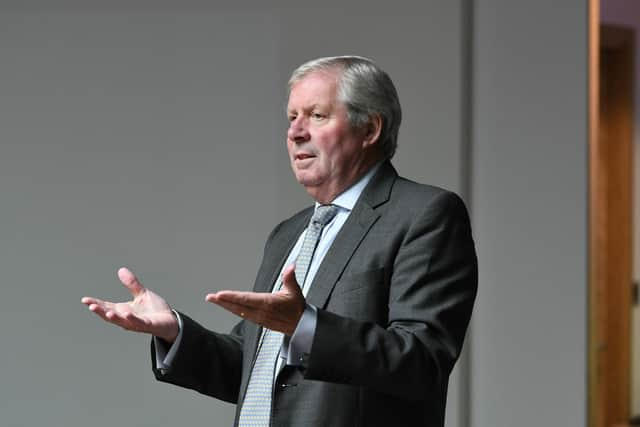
<point>348,198</point>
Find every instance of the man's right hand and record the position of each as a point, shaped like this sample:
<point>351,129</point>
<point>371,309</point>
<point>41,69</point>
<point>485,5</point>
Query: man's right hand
<point>147,312</point>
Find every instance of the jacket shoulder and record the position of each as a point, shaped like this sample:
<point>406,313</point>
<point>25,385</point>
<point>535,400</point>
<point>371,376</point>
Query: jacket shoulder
<point>293,222</point>
<point>412,195</point>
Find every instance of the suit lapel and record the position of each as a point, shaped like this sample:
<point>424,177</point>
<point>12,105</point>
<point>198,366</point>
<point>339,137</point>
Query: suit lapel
<point>344,246</point>
<point>336,259</point>
<point>279,251</point>
<point>350,236</point>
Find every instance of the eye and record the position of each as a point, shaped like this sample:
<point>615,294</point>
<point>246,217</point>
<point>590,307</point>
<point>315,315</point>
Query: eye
<point>291,117</point>
<point>317,116</point>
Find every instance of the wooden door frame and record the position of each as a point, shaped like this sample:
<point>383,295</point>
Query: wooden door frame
<point>610,224</point>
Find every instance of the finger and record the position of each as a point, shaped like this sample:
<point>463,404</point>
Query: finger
<point>100,311</point>
<point>135,322</point>
<point>105,305</point>
<point>235,307</point>
<point>249,313</point>
<point>118,320</point>
<point>130,281</point>
<point>265,318</point>
<point>90,300</point>
<point>247,299</point>
<point>289,280</point>
<point>108,312</point>
<point>96,308</point>
<point>125,319</point>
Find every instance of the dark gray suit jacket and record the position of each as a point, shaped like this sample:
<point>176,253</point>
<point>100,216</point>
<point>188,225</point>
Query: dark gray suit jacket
<point>394,296</point>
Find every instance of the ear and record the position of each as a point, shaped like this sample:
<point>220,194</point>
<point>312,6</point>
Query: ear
<point>372,131</point>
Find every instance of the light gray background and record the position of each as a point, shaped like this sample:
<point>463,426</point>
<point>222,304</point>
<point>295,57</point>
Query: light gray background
<point>151,135</point>
<point>529,193</point>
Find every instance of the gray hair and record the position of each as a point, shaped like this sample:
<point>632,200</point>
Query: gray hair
<point>366,90</point>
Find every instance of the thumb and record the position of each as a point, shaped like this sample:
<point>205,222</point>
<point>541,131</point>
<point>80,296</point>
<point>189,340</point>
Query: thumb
<point>289,281</point>
<point>130,281</point>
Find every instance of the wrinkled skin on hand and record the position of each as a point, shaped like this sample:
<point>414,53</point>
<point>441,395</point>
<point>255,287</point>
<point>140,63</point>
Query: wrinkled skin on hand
<point>147,312</point>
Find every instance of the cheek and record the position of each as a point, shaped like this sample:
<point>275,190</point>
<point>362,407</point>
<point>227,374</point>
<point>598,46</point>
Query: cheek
<point>290,147</point>
<point>327,147</point>
<point>333,154</point>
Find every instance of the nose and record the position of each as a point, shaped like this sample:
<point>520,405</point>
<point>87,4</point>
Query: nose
<point>298,131</point>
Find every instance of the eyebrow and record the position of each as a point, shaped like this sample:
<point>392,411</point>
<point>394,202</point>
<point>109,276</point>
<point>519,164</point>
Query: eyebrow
<point>310,108</point>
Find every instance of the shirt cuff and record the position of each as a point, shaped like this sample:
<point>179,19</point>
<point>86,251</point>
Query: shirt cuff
<point>164,356</point>
<point>298,348</point>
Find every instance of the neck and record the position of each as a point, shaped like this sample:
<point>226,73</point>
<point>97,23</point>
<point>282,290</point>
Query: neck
<point>325,196</point>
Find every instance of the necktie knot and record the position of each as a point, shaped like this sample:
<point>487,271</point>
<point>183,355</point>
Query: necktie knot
<point>324,214</point>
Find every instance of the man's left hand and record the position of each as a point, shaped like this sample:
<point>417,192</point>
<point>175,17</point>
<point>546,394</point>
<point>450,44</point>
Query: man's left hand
<point>279,311</point>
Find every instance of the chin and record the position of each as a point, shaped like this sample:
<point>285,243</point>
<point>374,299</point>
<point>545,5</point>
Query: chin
<point>307,179</point>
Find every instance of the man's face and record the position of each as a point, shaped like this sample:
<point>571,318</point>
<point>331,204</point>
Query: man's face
<point>326,154</point>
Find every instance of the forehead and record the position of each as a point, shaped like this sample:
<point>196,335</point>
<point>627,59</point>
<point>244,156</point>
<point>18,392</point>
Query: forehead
<point>315,87</point>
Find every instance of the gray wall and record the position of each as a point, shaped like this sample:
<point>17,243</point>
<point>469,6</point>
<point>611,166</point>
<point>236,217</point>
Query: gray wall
<point>151,135</point>
<point>529,193</point>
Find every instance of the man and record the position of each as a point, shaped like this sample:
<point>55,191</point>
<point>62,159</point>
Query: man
<point>360,305</point>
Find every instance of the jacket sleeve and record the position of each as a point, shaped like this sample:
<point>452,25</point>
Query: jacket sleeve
<point>206,361</point>
<point>210,362</point>
<point>431,290</point>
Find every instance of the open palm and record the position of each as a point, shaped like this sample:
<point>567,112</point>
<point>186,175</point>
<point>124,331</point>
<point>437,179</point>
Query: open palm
<point>147,312</point>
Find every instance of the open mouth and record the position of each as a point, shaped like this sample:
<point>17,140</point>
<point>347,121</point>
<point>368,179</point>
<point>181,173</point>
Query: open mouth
<point>303,156</point>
